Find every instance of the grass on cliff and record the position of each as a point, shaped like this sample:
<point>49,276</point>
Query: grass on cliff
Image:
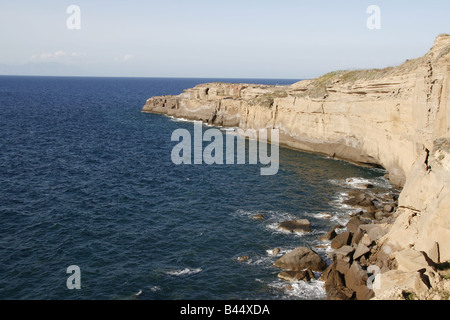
<point>318,87</point>
<point>442,144</point>
<point>409,295</point>
<point>443,53</point>
<point>267,100</point>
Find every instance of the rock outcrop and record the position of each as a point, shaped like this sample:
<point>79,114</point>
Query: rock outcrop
<point>299,259</point>
<point>356,258</point>
<point>397,118</point>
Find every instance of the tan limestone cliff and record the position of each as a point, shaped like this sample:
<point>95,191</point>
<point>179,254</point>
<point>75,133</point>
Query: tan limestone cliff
<point>396,117</point>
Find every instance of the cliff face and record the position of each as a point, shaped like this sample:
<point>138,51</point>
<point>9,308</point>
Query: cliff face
<point>396,117</point>
<point>387,117</point>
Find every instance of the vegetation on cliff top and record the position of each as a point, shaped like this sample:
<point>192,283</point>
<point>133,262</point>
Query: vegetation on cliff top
<point>267,100</point>
<point>318,87</point>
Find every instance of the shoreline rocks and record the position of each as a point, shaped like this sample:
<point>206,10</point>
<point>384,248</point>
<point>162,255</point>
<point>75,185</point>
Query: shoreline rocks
<point>349,276</point>
<point>341,240</point>
<point>397,118</point>
<point>363,267</point>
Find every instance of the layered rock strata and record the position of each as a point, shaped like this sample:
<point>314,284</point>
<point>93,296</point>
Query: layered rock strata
<point>396,117</point>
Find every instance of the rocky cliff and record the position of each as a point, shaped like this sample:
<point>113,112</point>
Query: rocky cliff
<point>397,118</point>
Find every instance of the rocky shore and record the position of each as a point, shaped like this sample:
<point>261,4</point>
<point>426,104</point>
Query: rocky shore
<point>356,257</point>
<point>397,118</point>
<point>360,263</point>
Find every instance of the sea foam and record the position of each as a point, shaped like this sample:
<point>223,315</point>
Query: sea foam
<point>185,271</point>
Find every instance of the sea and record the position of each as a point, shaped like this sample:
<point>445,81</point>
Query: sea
<point>86,180</point>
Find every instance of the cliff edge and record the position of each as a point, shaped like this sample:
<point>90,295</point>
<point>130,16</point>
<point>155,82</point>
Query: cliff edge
<point>397,118</point>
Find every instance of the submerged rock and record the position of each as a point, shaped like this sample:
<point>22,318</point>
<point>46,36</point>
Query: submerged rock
<point>293,276</point>
<point>258,217</point>
<point>299,226</point>
<point>243,258</point>
<point>275,251</point>
<point>326,215</point>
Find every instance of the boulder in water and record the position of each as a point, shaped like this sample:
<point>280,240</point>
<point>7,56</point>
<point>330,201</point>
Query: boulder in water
<point>299,226</point>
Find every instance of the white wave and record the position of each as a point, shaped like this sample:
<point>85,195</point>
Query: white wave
<point>323,215</point>
<point>264,261</point>
<point>323,248</point>
<point>342,220</point>
<point>342,211</point>
<point>271,253</point>
<point>340,197</point>
<point>272,220</point>
<point>261,261</point>
<point>308,290</point>
<point>343,216</point>
<point>269,216</point>
<point>281,252</point>
<point>155,288</point>
<point>185,271</point>
<point>311,290</point>
<point>273,227</point>
<point>357,182</point>
<point>360,183</point>
<point>174,119</point>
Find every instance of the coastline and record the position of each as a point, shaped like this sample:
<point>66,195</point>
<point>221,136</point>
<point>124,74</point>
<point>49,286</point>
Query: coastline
<point>396,118</point>
<point>364,204</point>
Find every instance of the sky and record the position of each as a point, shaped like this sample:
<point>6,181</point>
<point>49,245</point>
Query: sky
<point>290,39</point>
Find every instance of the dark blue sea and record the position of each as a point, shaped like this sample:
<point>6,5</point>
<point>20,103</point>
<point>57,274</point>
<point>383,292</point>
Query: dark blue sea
<point>86,179</point>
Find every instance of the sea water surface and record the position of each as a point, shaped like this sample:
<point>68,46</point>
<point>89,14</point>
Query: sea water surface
<point>87,179</point>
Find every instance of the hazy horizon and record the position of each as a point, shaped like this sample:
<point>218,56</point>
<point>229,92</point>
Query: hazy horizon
<point>204,39</point>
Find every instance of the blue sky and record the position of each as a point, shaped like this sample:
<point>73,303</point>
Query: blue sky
<point>218,39</point>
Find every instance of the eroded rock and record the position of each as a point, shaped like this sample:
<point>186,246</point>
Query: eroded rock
<point>300,259</point>
<point>340,240</point>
